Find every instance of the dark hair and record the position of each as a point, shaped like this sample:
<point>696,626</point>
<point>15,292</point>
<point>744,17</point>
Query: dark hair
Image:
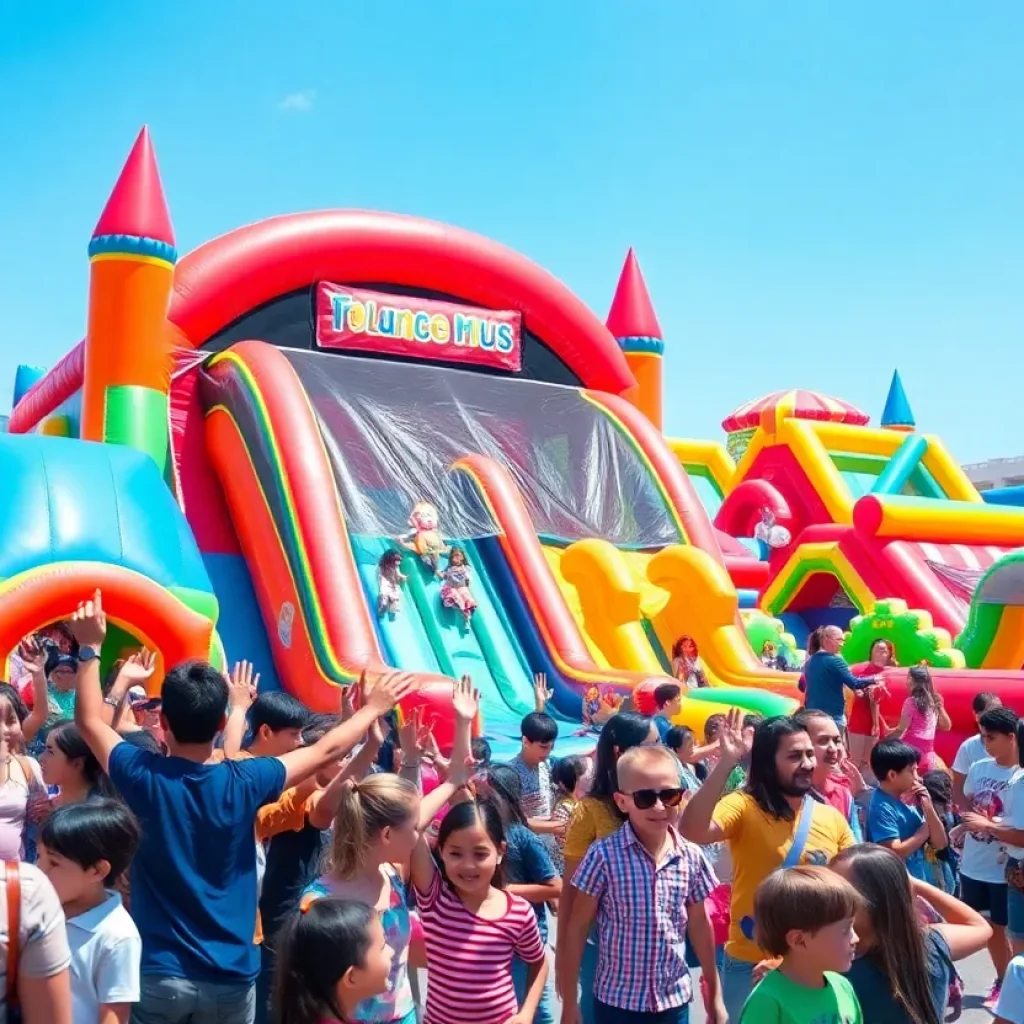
<point>92,831</point>
<point>480,750</point>
<point>985,700</point>
<point>677,647</point>
<point>316,949</point>
<point>566,772</point>
<point>711,725</point>
<point>144,740</point>
<point>922,690</point>
<point>899,953</point>
<point>621,732</point>
<point>763,776</point>
<point>1002,720</point>
<point>538,727</point>
<point>752,720</point>
<point>70,743</point>
<point>814,639</point>
<point>14,699</point>
<point>803,898</point>
<point>666,692</point>
<point>892,756</point>
<point>805,715</point>
<point>390,559</point>
<point>677,736</point>
<point>318,726</point>
<point>466,815</point>
<point>456,550</point>
<point>939,786</point>
<point>507,787</point>
<point>278,711</point>
<point>194,698</point>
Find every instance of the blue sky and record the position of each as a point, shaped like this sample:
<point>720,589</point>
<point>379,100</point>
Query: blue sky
<point>817,192</point>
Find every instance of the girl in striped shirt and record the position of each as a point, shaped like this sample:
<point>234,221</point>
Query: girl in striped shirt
<point>473,927</point>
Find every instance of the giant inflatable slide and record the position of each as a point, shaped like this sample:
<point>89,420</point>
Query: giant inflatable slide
<point>338,441</point>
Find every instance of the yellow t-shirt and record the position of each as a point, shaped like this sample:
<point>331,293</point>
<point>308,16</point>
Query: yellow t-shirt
<point>592,819</point>
<point>758,845</point>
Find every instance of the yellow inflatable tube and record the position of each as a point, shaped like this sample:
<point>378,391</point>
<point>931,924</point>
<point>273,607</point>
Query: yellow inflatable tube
<point>703,602</point>
<point>699,599</point>
<point>609,607</point>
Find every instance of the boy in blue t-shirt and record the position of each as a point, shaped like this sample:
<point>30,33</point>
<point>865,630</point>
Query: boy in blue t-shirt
<point>903,827</point>
<point>194,877</point>
<point>668,699</point>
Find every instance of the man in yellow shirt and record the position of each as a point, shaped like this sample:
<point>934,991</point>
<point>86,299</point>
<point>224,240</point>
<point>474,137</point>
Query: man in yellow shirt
<point>773,822</point>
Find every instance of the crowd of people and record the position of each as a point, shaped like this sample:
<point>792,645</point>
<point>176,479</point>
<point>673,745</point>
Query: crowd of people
<point>223,855</point>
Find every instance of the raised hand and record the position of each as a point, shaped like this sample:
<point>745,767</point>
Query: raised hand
<point>389,689</point>
<point>413,734</point>
<point>465,700</point>
<point>541,691</point>
<point>33,655</point>
<point>139,667</point>
<point>89,622</point>
<point>855,776</point>
<point>348,701</point>
<point>243,685</point>
<point>731,739</point>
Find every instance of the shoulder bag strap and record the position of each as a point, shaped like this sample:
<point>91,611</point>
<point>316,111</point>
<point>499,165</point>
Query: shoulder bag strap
<point>12,873</point>
<point>803,828</point>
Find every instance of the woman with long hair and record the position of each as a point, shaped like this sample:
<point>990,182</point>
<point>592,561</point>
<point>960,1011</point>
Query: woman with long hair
<point>686,664</point>
<point>866,727</point>
<point>70,765</point>
<point>596,817</point>
<point>903,967</point>
<point>923,712</point>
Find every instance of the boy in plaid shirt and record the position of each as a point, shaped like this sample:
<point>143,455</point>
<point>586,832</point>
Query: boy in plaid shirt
<point>646,887</point>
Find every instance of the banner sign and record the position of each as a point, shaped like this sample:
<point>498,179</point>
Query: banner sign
<point>363,321</point>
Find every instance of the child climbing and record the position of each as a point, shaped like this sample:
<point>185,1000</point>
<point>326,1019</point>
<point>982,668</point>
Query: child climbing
<point>455,592</point>
<point>389,583</point>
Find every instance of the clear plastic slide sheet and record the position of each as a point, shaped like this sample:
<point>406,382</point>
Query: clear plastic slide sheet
<point>393,430</point>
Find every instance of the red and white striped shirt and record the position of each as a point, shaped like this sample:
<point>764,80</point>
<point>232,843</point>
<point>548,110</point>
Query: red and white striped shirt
<point>469,960</point>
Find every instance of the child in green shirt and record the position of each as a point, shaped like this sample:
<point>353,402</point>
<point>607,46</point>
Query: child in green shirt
<point>805,916</point>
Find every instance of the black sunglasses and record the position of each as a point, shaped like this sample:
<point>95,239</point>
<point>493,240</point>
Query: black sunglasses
<point>645,799</point>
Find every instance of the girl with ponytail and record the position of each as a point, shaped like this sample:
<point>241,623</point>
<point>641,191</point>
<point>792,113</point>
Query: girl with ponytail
<point>376,829</point>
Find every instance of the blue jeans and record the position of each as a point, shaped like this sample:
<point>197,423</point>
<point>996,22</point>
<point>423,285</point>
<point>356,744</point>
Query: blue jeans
<point>543,1014</point>
<point>1015,898</point>
<point>179,1001</point>
<point>605,1014</point>
<point>737,983</point>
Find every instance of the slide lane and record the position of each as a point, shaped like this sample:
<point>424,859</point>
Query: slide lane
<point>532,596</point>
<point>284,506</point>
<point>424,635</point>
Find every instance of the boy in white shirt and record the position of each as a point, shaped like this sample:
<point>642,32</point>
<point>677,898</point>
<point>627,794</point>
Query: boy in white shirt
<point>972,749</point>
<point>83,849</point>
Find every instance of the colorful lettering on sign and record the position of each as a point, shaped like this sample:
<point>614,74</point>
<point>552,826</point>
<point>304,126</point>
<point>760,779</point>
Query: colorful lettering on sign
<point>354,319</point>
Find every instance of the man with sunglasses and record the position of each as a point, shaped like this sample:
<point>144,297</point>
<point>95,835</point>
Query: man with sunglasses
<point>646,887</point>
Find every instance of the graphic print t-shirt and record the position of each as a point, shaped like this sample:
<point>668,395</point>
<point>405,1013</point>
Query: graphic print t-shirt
<point>986,787</point>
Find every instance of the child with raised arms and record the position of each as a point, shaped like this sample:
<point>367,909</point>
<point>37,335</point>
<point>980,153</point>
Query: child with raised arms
<point>472,926</point>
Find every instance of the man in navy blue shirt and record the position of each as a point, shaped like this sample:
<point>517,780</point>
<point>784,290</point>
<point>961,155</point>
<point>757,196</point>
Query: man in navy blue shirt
<point>193,879</point>
<point>826,674</point>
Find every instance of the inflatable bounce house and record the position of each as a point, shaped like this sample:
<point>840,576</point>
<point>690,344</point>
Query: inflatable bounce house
<point>335,441</point>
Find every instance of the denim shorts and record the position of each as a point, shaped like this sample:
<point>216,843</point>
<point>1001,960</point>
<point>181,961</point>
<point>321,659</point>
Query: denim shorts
<point>1015,897</point>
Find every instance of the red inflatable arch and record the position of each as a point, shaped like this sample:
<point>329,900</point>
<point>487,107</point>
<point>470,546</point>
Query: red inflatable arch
<point>229,276</point>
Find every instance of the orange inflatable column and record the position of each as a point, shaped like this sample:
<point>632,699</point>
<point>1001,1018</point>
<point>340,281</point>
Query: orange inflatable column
<point>128,356</point>
<point>635,327</point>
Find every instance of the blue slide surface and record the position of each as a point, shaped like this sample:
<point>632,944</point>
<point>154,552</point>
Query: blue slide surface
<point>426,636</point>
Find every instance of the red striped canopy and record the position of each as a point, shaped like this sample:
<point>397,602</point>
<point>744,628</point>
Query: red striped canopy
<point>804,405</point>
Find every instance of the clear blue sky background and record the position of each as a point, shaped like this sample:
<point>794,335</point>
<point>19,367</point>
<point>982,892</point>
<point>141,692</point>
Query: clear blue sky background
<point>817,191</point>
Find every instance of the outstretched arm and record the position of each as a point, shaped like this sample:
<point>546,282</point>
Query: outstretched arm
<point>89,625</point>
<point>465,704</point>
<point>388,690</point>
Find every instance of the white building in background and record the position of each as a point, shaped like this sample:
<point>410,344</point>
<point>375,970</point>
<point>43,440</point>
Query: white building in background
<point>996,473</point>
